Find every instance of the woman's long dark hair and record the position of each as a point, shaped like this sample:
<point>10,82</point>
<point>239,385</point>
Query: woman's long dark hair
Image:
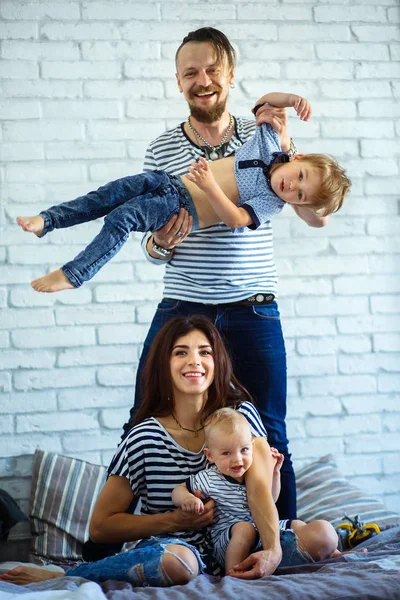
<point>157,401</point>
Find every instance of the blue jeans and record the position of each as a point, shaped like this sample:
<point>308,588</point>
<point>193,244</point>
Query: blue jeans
<point>138,203</point>
<point>140,566</point>
<point>253,335</point>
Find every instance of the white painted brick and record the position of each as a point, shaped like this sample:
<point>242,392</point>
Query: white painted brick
<point>375,167</point>
<point>368,324</point>
<point>43,401</point>
<point>333,426</point>
<point>81,70</point>
<point>54,337</point>
<point>384,264</point>
<point>43,254</point>
<point>394,51</point>
<point>91,441</point>
<point>87,109</point>
<point>6,424</point>
<point>374,14</point>
<point>39,50</point>
<point>377,403</point>
<point>142,273</point>
<point>307,247</point>
<point>123,130</point>
<point>323,365</point>
<point>88,315</point>
<point>10,152</point>
<point>53,422</point>
<point>311,448</point>
<point>43,89</point>
<point>370,364</point>
<point>20,466</point>
<point>108,355</point>
<point>121,11</point>
<point>19,109</point>
<point>323,406</point>
<point>146,312</point>
<point>356,89</point>
<point>364,285</point>
<point>137,150</point>
<point>124,89</point>
<point>95,458</point>
<point>43,130</point>
<point>374,205</point>
<point>316,327</point>
<point>12,69</point>
<point>334,108</point>
<point>17,318</point>
<point>27,297</point>
<point>253,69</point>
<point>374,485</point>
<point>4,339</point>
<point>361,129</point>
<point>314,32</point>
<point>80,31</point>
<point>387,342</point>
<point>378,33</point>
<point>334,345</point>
<point>384,186</point>
<point>84,150</point>
<point>56,378</point>
<point>114,419</point>
<point>261,50</point>
<point>316,70</point>
<point>128,293</point>
<point>385,108</point>
<point>381,70</point>
<point>280,13</point>
<point>388,147</point>
<point>391,463</point>
<point>356,245</point>
<point>41,173</point>
<point>357,443</point>
<point>338,385</point>
<point>18,359</point>
<point>96,397</point>
<point>360,465</point>
<point>392,502</point>
<point>388,382</point>
<point>325,306</point>
<point>110,376</point>
<point>199,11</point>
<point>5,381</point>
<point>314,287</point>
<point>332,265</point>
<point>16,445</point>
<point>110,170</point>
<point>18,31</point>
<point>122,334</point>
<point>352,51</point>
<point>248,31</point>
<point>117,50</point>
<point>39,11</point>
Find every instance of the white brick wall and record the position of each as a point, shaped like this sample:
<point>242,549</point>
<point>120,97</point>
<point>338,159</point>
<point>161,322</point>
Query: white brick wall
<point>85,86</point>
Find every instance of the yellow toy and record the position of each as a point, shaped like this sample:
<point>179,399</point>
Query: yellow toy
<point>352,532</point>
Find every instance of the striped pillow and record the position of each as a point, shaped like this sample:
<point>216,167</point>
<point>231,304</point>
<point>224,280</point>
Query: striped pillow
<point>64,491</point>
<point>324,493</point>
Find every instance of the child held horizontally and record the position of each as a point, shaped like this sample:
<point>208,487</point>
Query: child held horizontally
<point>244,190</point>
<point>229,446</point>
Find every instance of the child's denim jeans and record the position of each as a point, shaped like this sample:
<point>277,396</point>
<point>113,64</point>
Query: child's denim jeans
<point>141,566</point>
<point>142,202</point>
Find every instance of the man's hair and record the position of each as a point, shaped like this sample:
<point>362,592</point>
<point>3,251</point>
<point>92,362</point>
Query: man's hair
<point>334,183</point>
<point>217,39</point>
<point>227,420</point>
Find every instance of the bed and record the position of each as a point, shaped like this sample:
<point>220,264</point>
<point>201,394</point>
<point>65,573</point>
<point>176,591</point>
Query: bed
<point>63,494</point>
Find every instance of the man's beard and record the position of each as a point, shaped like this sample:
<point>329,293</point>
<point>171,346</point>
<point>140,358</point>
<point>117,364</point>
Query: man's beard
<point>208,115</point>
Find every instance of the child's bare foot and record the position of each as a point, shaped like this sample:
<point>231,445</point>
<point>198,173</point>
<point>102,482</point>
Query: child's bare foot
<point>32,224</point>
<point>338,553</point>
<point>24,575</point>
<point>55,281</point>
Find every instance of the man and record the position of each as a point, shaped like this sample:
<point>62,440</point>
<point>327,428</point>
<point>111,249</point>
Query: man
<point>230,278</point>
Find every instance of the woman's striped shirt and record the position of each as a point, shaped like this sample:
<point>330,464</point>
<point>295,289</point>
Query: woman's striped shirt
<point>154,463</point>
<point>214,265</point>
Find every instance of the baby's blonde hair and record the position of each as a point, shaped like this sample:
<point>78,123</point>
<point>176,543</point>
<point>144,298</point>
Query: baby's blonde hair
<point>334,183</point>
<point>227,420</point>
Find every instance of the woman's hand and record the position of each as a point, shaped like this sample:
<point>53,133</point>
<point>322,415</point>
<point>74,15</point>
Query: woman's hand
<point>258,564</point>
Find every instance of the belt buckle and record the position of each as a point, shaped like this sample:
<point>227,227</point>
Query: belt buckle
<point>261,299</point>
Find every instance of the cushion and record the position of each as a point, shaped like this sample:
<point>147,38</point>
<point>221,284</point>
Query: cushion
<point>324,493</point>
<point>63,494</point>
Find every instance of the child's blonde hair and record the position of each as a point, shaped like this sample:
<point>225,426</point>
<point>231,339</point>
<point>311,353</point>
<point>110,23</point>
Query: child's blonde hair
<point>334,183</point>
<point>227,420</point>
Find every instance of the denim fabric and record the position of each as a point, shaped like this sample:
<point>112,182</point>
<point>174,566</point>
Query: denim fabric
<point>292,555</point>
<point>253,335</point>
<point>138,203</point>
<point>140,566</point>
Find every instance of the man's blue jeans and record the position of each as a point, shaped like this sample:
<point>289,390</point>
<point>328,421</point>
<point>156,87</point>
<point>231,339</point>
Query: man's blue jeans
<point>253,336</point>
<point>141,202</point>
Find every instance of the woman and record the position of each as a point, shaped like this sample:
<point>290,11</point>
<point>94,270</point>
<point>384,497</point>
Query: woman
<point>188,376</point>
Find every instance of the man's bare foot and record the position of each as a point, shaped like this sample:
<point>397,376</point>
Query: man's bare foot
<point>55,281</point>
<point>32,224</point>
<point>24,575</point>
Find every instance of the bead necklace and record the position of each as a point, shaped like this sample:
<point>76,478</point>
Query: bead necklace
<point>195,431</point>
<point>214,149</point>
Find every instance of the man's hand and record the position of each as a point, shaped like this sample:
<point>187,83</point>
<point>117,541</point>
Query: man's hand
<point>167,237</point>
<point>201,174</point>
<point>258,564</point>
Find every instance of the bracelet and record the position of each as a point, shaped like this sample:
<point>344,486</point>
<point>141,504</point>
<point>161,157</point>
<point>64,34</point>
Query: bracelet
<point>164,252</point>
<point>292,148</point>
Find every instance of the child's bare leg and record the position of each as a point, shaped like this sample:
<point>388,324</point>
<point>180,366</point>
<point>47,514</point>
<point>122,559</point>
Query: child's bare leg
<point>55,281</point>
<point>24,575</point>
<point>243,538</point>
<point>32,224</point>
<point>318,538</point>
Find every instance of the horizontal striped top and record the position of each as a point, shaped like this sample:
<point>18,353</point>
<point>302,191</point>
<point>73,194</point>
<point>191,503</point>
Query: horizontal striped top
<point>154,463</point>
<point>213,265</point>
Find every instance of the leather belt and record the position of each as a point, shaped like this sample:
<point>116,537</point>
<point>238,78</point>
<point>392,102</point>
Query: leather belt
<point>257,299</point>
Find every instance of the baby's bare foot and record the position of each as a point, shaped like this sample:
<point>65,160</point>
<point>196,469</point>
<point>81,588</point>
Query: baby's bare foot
<point>32,224</point>
<point>55,281</point>
<point>24,575</point>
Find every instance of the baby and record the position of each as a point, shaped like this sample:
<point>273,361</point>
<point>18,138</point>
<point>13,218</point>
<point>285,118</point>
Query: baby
<point>229,447</point>
<point>244,190</point>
